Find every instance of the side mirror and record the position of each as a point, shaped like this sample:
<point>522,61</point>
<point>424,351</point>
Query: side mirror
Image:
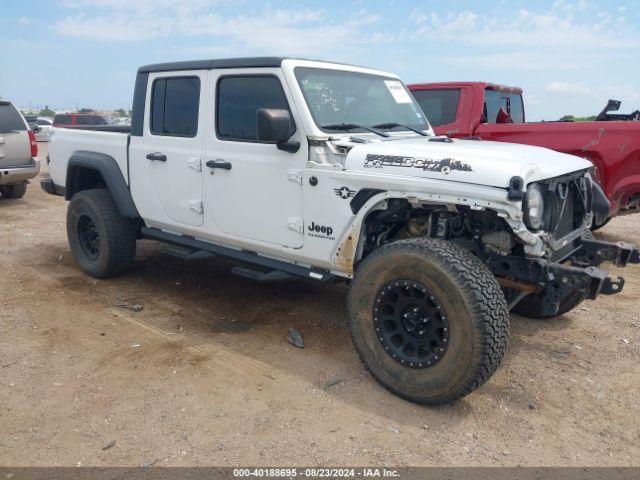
<point>35,128</point>
<point>274,125</point>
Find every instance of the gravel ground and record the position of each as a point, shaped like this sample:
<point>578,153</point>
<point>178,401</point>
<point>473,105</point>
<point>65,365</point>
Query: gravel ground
<point>203,374</point>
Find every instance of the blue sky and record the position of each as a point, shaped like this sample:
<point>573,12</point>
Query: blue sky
<point>569,56</point>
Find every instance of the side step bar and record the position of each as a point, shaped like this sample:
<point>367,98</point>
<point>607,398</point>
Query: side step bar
<point>258,276</point>
<point>186,253</point>
<point>246,256</point>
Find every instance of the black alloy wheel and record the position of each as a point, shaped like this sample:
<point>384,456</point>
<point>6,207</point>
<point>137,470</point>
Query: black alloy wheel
<point>411,324</point>
<point>88,237</point>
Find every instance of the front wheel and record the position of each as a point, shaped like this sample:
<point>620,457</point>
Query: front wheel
<point>597,226</point>
<point>428,320</point>
<point>533,305</point>
<point>101,240</point>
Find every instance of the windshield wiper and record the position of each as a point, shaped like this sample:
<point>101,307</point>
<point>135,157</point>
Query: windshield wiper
<point>9,131</point>
<point>348,126</point>
<point>396,124</point>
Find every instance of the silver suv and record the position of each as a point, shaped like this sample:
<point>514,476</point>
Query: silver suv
<point>18,152</point>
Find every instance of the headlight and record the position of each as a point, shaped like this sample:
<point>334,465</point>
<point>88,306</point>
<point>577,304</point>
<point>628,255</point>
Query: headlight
<point>534,207</point>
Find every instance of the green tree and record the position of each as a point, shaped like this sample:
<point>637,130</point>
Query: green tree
<point>86,110</point>
<point>571,118</point>
<point>121,112</point>
<point>46,112</point>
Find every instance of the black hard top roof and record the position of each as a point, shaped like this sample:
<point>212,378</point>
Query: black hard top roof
<point>248,62</point>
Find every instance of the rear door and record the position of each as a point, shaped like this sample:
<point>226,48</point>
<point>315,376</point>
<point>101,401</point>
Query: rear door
<point>15,146</point>
<point>166,161</point>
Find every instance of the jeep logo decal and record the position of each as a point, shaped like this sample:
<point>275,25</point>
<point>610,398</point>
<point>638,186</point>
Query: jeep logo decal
<point>444,166</point>
<point>320,231</point>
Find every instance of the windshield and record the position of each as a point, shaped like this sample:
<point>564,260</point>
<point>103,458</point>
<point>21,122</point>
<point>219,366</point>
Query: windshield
<point>350,101</point>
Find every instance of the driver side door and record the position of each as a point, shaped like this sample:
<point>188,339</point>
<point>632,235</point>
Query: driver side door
<point>257,195</point>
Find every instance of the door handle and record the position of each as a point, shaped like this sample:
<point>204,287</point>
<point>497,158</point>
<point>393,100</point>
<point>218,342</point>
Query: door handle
<point>157,156</point>
<point>218,164</point>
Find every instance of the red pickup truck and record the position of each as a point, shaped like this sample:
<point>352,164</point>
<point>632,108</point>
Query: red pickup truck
<point>496,112</point>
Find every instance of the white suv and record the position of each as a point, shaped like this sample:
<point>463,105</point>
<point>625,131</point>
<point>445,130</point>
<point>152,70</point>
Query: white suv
<point>18,152</point>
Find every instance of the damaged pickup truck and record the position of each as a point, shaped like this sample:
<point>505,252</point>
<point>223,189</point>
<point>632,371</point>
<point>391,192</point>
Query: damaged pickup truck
<point>328,171</point>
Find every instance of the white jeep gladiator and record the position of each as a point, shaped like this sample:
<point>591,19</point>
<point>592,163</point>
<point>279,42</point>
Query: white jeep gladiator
<point>330,171</point>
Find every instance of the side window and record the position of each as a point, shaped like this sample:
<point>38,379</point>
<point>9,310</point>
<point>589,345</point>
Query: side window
<point>62,119</point>
<point>82,120</point>
<point>174,106</point>
<point>238,101</point>
<point>511,103</point>
<point>440,106</point>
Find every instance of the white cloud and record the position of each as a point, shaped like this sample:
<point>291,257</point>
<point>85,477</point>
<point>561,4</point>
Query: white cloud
<point>565,88</point>
<point>520,59</point>
<point>626,93</point>
<point>554,29</point>
<point>309,32</point>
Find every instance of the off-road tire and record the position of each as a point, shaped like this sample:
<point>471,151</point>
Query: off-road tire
<point>595,227</point>
<point>16,190</point>
<point>116,234</point>
<point>471,298</point>
<point>531,305</point>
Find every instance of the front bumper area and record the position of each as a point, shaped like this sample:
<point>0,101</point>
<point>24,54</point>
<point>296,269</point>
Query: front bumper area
<point>595,252</point>
<point>579,272</point>
<point>19,173</point>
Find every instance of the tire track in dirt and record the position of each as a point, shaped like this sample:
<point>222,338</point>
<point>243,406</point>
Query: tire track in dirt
<point>163,319</point>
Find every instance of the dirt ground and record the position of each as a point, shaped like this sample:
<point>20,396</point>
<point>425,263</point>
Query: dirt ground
<point>203,375</point>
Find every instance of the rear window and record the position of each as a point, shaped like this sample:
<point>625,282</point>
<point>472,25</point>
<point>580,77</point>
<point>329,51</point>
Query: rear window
<point>62,119</point>
<point>92,120</point>
<point>510,103</point>
<point>174,106</point>
<point>10,118</point>
<point>440,106</point>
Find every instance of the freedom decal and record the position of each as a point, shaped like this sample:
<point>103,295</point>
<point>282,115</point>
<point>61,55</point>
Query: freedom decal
<point>445,165</point>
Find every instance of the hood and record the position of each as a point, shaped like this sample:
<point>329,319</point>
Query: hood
<point>471,161</point>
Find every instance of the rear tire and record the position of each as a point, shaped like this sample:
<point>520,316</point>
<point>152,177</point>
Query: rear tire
<point>101,240</point>
<point>455,298</point>
<point>16,190</point>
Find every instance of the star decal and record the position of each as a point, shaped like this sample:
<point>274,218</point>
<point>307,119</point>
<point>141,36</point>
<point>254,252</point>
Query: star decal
<point>344,192</point>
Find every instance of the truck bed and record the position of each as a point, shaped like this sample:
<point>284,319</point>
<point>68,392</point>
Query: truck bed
<point>66,141</point>
<point>613,147</point>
